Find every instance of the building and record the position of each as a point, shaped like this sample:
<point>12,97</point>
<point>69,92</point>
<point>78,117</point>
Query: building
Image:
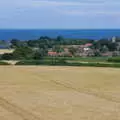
<point>113,39</point>
<point>85,50</point>
<point>52,54</point>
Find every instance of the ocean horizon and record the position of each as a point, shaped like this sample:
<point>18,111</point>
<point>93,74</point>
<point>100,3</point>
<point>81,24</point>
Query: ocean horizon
<point>30,34</point>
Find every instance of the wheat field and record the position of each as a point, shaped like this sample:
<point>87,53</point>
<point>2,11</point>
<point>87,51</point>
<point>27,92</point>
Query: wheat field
<point>59,93</point>
<point>2,51</point>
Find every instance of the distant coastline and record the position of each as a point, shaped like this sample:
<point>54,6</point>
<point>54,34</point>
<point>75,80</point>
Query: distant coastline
<point>27,34</point>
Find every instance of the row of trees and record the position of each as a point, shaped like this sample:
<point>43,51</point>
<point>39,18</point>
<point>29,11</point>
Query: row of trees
<point>46,42</point>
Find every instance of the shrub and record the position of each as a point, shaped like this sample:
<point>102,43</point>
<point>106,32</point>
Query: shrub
<point>64,63</point>
<point>41,62</point>
<point>4,63</point>
<point>7,56</point>
<point>114,59</point>
<point>23,53</point>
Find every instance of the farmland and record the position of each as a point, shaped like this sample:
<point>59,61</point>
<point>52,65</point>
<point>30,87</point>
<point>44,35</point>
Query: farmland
<point>2,51</point>
<point>59,93</point>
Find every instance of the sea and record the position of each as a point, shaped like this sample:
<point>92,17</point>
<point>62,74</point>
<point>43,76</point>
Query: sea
<point>31,34</point>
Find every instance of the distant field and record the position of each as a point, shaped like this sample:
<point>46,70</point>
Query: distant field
<point>2,51</point>
<point>59,93</point>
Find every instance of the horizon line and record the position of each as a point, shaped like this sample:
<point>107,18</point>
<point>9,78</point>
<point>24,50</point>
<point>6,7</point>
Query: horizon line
<point>59,28</point>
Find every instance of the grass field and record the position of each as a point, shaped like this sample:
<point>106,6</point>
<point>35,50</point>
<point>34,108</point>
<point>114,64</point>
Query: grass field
<point>59,93</point>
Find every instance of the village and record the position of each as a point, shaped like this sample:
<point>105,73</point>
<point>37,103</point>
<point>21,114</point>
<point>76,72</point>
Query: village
<point>59,47</point>
<point>87,50</point>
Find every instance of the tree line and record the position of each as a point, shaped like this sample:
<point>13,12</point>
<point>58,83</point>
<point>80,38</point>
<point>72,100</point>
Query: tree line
<point>38,48</point>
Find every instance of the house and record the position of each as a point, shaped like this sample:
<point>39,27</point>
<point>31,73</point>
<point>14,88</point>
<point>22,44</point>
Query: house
<point>85,50</point>
<point>113,39</point>
<point>107,54</point>
<point>52,54</point>
<point>85,53</point>
<point>36,49</point>
<point>88,45</point>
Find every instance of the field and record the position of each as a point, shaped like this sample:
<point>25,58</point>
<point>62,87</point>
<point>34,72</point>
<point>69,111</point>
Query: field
<point>2,51</point>
<point>59,93</point>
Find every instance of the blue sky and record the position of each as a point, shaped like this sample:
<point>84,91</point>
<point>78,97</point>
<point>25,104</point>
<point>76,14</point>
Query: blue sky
<point>57,14</point>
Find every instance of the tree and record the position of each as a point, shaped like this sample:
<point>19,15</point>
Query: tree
<point>37,55</point>
<point>60,38</point>
<point>104,49</point>
<point>23,53</point>
<point>97,54</point>
<point>7,56</point>
<point>57,48</point>
<point>112,46</point>
<point>72,50</point>
<point>15,43</point>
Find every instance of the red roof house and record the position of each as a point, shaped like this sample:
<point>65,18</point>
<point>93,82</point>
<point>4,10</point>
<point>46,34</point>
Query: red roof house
<point>88,45</point>
<point>52,54</point>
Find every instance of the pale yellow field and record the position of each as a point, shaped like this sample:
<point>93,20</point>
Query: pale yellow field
<point>59,93</point>
<point>2,51</point>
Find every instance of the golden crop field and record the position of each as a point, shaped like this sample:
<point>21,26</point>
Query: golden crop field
<point>2,51</point>
<point>59,93</point>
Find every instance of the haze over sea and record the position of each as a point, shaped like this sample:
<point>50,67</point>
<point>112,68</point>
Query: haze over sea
<point>27,34</point>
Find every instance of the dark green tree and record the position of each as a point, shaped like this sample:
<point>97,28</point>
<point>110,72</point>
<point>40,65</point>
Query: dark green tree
<point>72,50</point>
<point>15,43</point>
<point>23,53</point>
<point>37,55</point>
<point>7,56</point>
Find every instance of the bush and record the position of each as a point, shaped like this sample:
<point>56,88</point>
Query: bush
<point>64,63</point>
<point>23,53</point>
<point>7,56</point>
<point>41,62</point>
<point>62,60</point>
<point>114,59</point>
<point>4,63</point>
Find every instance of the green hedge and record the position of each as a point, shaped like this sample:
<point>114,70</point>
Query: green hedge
<point>85,59</point>
<point>64,63</point>
<point>114,59</point>
<point>96,65</point>
<point>4,63</point>
<point>41,62</point>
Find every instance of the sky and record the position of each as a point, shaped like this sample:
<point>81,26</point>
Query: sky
<point>60,14</point>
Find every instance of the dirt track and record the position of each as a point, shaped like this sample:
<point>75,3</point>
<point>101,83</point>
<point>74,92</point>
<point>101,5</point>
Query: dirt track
<point>59,93</point>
